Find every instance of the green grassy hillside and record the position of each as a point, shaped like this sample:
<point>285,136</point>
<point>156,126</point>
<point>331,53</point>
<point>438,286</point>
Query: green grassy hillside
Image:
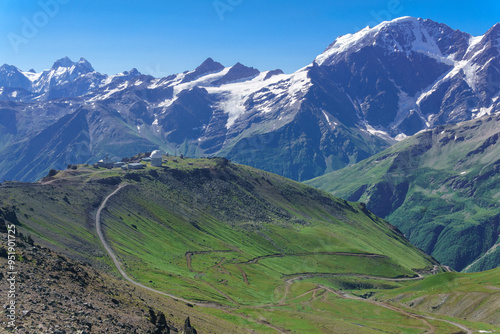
<point>267,253</point>
<point>474,296</point>
<point>440,188</point>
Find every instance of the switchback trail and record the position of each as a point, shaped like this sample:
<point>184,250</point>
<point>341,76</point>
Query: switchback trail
<point>118,264</point>
<point>345,295</point>
<point>421,317</point>
<point>190,254</point>
<point>299,276</point>
<point>369,255</point>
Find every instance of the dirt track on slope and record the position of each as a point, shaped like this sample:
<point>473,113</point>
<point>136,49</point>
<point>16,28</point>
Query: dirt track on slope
<point>118,264</point>
<point>369,255</point>
<point>245,278</point>
<point>189,254</point>
<point>343,295</point>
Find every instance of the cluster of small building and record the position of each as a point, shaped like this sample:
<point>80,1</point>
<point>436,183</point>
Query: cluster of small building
<point>155,158</point>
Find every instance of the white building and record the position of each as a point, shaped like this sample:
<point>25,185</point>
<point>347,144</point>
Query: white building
<point>156,158</point>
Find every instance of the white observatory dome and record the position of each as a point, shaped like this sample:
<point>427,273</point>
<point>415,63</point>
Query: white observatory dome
<point>156,155</point>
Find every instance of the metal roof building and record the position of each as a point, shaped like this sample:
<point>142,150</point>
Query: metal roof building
<point>136,165</point>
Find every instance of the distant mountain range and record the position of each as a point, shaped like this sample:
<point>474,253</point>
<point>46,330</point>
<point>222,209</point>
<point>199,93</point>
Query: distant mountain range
<point>365,92</point>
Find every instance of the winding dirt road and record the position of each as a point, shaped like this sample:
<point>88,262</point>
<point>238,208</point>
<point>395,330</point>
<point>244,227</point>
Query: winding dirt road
<point>288,282</point>
<point>369,255</point>
<point>118,264</point>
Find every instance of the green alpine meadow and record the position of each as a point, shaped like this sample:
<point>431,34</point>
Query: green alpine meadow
<point>439,187</point>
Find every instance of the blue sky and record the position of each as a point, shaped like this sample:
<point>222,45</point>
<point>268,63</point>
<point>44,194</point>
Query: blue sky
<point>171,36</point>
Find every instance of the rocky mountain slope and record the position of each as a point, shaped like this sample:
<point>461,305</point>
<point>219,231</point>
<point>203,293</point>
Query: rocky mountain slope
<point>440,188</point>
<point>365,91</point>
<point>410,74</point>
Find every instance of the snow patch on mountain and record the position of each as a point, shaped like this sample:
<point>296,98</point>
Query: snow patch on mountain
<point>473,42</point>
<point>203,81</point>
<point>351,43</point>
<point>485,111</point>
<point>400,137</point>
<point>376,132</point>
<point>332,124</point>
<point>290,87</point>
<point>235,95</point>
<point>110,92</point>
<point>33,77</point>
<point>407,104</point>
<point>343,44</point>
<point>166,103</point>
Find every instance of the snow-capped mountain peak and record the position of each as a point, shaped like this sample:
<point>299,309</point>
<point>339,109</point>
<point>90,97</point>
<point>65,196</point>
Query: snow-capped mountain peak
<point>81,67</point>
<point>63,62</point>
<point>11,76</point>
<point>405,34</point>
<point>84,64</point>
<point>343,44</point>
<point>209,66</point>
<point>421,66</point>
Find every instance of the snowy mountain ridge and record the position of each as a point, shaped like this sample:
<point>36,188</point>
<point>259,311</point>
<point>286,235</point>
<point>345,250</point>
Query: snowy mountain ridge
<point>363,93</point>
<point>464,59</point>
<point>405,35</point>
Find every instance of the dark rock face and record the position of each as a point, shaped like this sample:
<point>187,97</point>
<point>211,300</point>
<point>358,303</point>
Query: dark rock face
<point>273,73</point>
<point>188,329</point>
<point>209,66</point>
<point>385,198</point>
<point>236,73</point>
<point>160,322</point>
<point>187,117</point>
<point>9,215</point>
<point>10,76</point>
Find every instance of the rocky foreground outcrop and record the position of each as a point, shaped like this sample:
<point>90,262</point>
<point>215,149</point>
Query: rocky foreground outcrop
<point>57,295</point>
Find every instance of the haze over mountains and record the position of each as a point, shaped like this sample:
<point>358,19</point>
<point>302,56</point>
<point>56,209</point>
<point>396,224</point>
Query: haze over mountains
<point>366,91</point>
